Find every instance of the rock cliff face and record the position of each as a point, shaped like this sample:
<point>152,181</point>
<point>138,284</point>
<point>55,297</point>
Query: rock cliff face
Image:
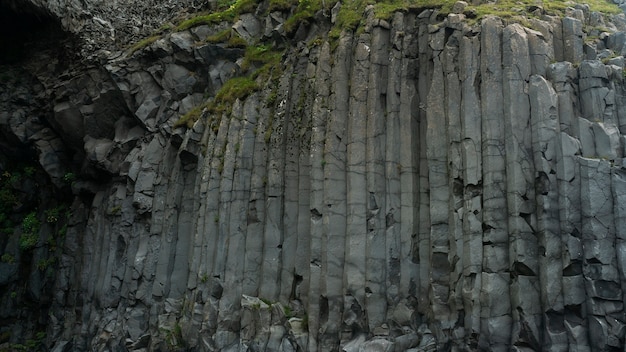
<point>424,183</point>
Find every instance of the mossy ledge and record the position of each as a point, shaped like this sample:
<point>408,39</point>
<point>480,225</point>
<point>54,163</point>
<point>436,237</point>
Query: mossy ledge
<point>262,60</point>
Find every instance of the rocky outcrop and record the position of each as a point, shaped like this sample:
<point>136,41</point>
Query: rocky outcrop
<point>421,184</point>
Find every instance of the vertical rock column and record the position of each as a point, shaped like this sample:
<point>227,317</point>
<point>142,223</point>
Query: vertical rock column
<point>493,229</point>
<point>291,191</point>
<point>437,156</point>
<point>215,239</point>
<point>355,269</point>
<point>604,293</point>
<point>334,220</point>
<point>523,253</point>
<point>562,76</point>
<point>472,177</point>
<point>393,165</point>
<point>273,235</point>
<point>253,256</point>
<point>424,82</point>
<point>409,158</point>
<point>452,71</point>
<point>319,116</point>
<point>230,238</point>
<point>240,149</point>
<point>311,95</point>
<point>544,126</point>
<point>376,262</point>
<point>618,186</point>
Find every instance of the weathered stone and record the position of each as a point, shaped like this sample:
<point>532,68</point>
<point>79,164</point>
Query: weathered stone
<point>248,27</point>
<point>417,171</point>
<point>572,39</point>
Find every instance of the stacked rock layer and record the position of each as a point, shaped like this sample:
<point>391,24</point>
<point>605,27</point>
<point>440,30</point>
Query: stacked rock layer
<point>424,184</point>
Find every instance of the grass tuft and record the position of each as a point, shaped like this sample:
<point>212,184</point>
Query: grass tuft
<point>227,11</point>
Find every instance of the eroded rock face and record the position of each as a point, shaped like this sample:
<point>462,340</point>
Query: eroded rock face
<point>423,185</point>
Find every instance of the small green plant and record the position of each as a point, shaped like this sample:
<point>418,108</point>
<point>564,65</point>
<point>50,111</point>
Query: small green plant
<point>266,301</point>
<point>271,98</point>
<point>69,177</point>
<point>226,12</point>
<point>28,241</point>
<point>204,278</point>
<point>260,54</point>
<point>188,119</point>
<point>29,171</point>
<point>235,41</point>
<point>30,223</point>
<point>52,215</point>
<point>8,258</point>
<point>144,43</point>
<point>62,231</point>
<point>43,264</point>
<point>30,231</point>
<point>220,37</point>
<point>304,13</point>
<point>34,344</point>
<point>281,5</point>
<point>115,209</point>
<point>174,338</point>
<point>288,311</point>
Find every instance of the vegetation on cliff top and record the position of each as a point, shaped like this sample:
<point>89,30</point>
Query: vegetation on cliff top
<point>261,59</point>
<point>350,15</point>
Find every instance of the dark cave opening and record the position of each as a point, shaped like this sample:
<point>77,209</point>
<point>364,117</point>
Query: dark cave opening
<point>24,29</point>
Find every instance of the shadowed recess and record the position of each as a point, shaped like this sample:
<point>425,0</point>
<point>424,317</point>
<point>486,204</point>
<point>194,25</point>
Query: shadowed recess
<point>24,28</point>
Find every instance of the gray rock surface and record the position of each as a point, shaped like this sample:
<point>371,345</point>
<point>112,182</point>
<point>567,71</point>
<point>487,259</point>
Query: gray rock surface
<point>417,185</point>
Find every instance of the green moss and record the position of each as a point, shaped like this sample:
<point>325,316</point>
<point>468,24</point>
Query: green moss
<point>304,13</point>
<point>44,264</point>
<point>288,312</point>
<point>188,119</point>
<point>174,337</point>
<point>512,8</point>
<point>220,37</point>
<point>350,16</point>
<point>281,5</point>
<point>266,301</point>
<point>53,215</point>
<point>227,11</point>
<point>233,89</point>
<point>28,241</point>
<point>7,258</point>
<point>235,41</point>
<point>144,43</point>
<point>261,55</point>
<point>115,209</point>
<point>30,231</point>
<point>69,177</point>
<point>211,18</point>
<point>30,223</point>
<point>204,278</point>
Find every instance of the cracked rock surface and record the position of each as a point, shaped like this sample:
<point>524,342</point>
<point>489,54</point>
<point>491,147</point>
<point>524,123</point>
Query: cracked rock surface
<point>424,184</point>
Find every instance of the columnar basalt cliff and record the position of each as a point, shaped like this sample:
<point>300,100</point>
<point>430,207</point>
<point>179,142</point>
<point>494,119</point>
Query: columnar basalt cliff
<point>425,182</point>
